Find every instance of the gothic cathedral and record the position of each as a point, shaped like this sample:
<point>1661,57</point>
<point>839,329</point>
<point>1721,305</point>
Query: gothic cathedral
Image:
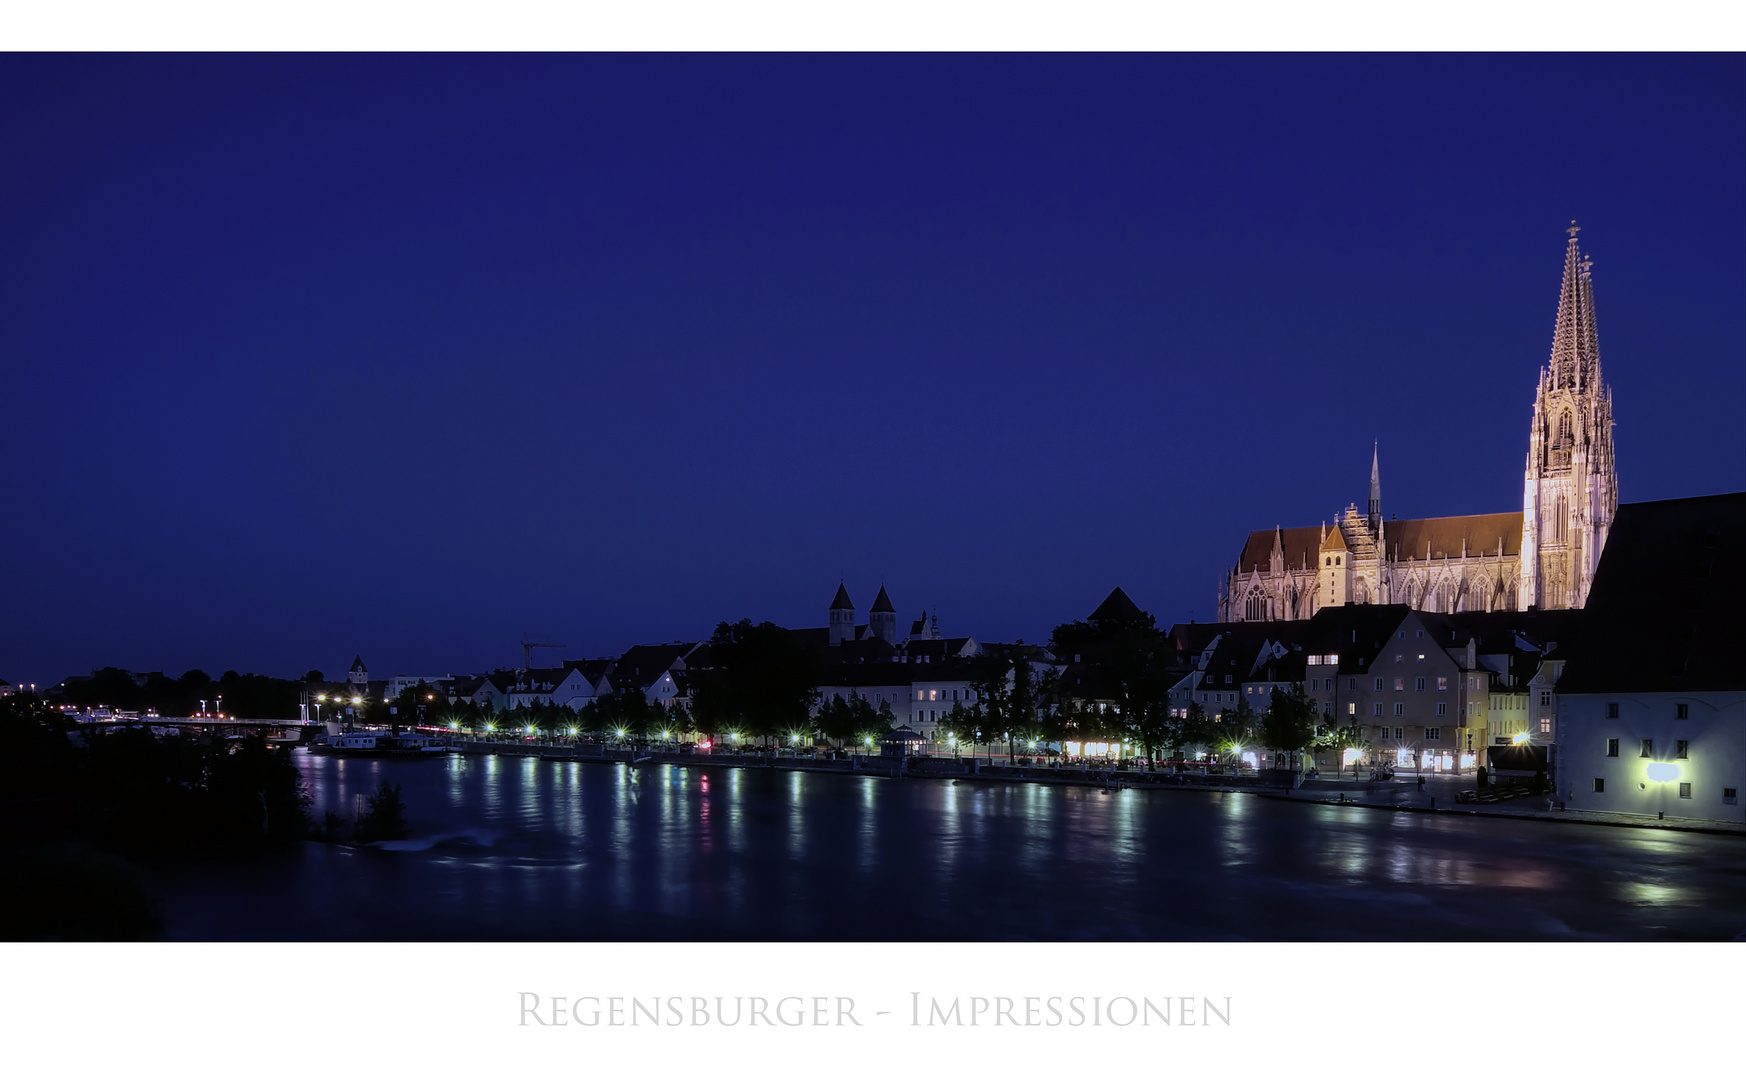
<point>1544,556</point>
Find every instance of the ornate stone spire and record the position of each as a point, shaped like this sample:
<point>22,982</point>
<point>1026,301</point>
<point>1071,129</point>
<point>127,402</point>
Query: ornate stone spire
<point>1575,347</point>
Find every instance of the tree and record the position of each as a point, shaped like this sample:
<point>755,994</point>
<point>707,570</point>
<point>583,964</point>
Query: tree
<point>765,684</point>
<point>1289,723</point>
<point>848,720</point>
<point>962,726</point>
<point>385,814</point>
<point>1195,728</point>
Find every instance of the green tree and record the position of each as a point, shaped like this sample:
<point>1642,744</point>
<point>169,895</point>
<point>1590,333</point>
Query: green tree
<point>765,682</point>
<point>384,816</point>
<point>1289,724</point>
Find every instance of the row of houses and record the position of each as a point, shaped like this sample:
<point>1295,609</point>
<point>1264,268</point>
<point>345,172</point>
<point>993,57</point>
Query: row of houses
<point>1633,703</point>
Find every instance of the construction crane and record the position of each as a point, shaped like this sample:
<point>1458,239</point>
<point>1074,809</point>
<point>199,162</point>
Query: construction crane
<point>527,648</point>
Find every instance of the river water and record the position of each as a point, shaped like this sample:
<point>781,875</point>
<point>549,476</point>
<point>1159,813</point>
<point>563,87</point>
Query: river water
<point>515,848</point>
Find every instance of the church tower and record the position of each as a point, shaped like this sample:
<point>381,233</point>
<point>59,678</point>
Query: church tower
<point>842,616</point>
<point>1570,489</point>
<point>882,618</point>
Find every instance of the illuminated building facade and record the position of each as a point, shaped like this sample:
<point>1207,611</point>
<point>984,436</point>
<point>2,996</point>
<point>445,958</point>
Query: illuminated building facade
<point>1541,557</point>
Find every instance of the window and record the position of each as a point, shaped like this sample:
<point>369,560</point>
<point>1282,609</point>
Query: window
<point>1433,734</point>
<point>1419,684</point>
<point>1399,684</point>
<point>1442,708</point>
<point>1648,748</point>
<point>1398,657</point>
<point>1352,682</point>
<point>1612,706</point>
<point>1315,684</point>
<point>1379,685</point>
<point>1419,633</point>
<point>1377,709</point>
<point>1327,708</point>
<point>1351,708</point>
<point>1400,733</point>
<point>1731,796</point>
<point>1600,785</point>
<point>1442,683</point>
<point>1545,725</point>
<point>1421,658</point>
<point>1612,748</point>
<point>1227,680</point>
<point>1399,709</point>
<point>1685,791</point>
<point>1682,711</point>
<point>1546,703</point>
<point>1680,748</point>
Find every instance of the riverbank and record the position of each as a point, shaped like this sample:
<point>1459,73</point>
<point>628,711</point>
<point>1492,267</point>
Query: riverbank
<point>1435,795</point>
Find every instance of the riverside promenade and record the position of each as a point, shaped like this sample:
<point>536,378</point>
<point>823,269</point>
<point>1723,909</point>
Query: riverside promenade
<point>1435,795</point>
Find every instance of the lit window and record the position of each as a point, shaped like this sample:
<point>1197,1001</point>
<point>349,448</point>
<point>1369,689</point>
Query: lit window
<point>1399,684</point>
<point>1442,683</point>
<point>1351,708</point>
<point>1545,725</point>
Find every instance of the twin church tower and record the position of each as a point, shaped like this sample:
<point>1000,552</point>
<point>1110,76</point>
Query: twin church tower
<point>1543,556</point>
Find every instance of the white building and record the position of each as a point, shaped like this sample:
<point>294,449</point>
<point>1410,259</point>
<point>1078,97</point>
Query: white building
<point>1651,705</point>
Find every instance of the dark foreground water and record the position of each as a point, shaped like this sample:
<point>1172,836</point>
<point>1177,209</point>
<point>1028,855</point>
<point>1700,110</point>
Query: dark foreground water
<point>516,848</point>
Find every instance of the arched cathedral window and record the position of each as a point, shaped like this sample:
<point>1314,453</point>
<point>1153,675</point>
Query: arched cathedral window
<point>1560,516</point>
<point>1564,438</point>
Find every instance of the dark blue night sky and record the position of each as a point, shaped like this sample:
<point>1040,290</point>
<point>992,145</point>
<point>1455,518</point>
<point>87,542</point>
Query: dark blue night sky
<point>406,356</point>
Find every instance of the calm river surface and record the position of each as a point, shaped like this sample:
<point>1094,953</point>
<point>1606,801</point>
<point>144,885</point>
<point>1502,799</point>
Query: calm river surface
<point>516,848</point>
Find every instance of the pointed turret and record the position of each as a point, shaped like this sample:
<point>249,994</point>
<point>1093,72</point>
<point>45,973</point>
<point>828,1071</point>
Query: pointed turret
<point>882,603</point>
<point>842,601</point>
<point>1375,488</point>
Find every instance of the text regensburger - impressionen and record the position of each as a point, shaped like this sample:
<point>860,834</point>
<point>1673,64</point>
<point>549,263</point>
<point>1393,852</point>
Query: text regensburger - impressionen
<point>923,1010</point>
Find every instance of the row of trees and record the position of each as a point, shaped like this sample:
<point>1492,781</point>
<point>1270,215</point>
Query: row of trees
<point>256,696</point>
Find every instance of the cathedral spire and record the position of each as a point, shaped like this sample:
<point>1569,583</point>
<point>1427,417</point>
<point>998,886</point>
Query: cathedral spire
<point>1575,348</point>
<point>1375,487</point>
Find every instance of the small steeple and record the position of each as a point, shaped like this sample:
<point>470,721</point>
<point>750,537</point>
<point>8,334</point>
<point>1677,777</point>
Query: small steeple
<point>1375,486</point>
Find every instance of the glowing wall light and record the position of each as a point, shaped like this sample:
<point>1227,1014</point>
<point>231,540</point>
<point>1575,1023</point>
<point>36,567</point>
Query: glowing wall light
<point>1663,772</point>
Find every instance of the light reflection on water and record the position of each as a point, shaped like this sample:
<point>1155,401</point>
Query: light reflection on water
<point>520,848</point>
